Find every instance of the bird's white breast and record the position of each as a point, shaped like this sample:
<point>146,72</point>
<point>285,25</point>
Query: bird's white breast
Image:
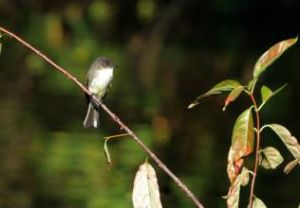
<point>100,81</point>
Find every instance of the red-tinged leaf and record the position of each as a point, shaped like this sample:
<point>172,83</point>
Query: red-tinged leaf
<point>241,144</point>
<point>270,158</point>
<point>290,166</point>
<point>233,166</point>
<point>145,188</point>
<point>271,55</point>
<point>243,135</point>
<point>233,95</point>
<point>233,195</point>
<point>290,141</point>
<point>224,86</point>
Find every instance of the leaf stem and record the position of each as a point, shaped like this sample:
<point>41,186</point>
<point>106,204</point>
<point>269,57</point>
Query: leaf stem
<point>251,197</point>
<point>116,136</point>
<point>113,116</point>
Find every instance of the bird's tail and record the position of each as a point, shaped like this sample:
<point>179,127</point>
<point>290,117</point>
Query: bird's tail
<point>91,118</point>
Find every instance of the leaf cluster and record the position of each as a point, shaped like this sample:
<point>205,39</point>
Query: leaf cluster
<point>247,130</point>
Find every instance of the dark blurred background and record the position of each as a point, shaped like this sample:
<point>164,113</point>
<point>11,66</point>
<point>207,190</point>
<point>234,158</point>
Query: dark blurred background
<point>168,52</point>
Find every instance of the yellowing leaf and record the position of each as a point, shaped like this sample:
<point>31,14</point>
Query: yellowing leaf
<point>245,176</point>
<point>145,188</point>
<point>233,195</point>
<point>271,55</point>
<point>233,95</point>
<point>257,203</point>
<point>290,166</point>
<point>290,141</point>
<point>243,134</point>
<point>270,158</point>
<point>241,144</point>
<point>226,85</point>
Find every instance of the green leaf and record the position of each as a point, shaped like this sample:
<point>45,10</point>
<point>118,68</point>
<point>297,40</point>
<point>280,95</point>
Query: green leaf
<point>267,94</point>
<point>145,188</point>
<point>290,166</point>
<point>251,84</point>
<point>290,141</point>
<point>226,85</point>
<point>106,152</point>
<point>257,203</point>
<point>271,55</point>
<point>270,158</point>
<point>241,144</point>
<point>233,95</point>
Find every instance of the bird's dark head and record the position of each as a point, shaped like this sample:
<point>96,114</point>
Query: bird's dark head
<point>103,62</point>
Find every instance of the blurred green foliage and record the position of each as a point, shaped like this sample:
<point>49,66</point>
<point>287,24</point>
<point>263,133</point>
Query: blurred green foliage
<point>167,53</point>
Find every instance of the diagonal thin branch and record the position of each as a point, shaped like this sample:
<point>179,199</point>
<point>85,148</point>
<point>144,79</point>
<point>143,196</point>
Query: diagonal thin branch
<point>114,117</point>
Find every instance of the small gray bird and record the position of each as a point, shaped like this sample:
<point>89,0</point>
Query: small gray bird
<point>99,79</point>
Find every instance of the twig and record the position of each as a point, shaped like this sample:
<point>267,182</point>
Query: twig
<point>256,150</point>
<point>116,136</point>
<point>112,115</point>
<point>106,151</point>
